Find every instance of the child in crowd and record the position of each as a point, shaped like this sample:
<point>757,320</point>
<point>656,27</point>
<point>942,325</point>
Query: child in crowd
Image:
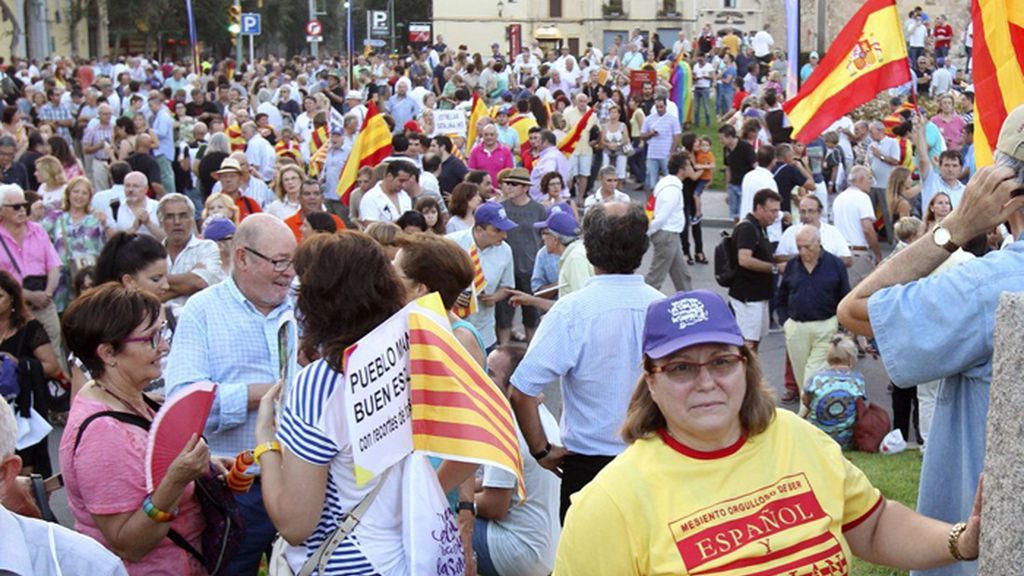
<point>704,160</point>
<point>830,396</point>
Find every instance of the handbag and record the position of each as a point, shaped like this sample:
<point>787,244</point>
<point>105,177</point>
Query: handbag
<point>627,149</point>
<point>33,283</point>
<point>871,426</point>
<point>224,530</point>
<point>278,564</point>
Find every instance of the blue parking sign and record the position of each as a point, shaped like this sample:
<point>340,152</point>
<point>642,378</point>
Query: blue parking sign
<point>251,23</point>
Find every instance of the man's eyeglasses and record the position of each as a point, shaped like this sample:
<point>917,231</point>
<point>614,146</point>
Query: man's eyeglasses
<point>279,265</point>
<point>153,339</point>
<point>687,372</point>
<point>19,206</point>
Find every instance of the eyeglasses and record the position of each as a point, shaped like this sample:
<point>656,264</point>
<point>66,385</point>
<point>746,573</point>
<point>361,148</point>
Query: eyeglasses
<point>279,265</point>
<point>153,339</point>
<point>19,206</point>
<point>686,372</point>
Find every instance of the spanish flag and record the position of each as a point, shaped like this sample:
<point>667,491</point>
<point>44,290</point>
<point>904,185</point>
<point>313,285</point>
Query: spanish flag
<point>373,144</point>
<point>477,111</point>
<point>457,411</point>
<point>234,133</point>
<point>522,124</point>
<point>868,56</point>
<point>568,144</point>
<point>998,69</point>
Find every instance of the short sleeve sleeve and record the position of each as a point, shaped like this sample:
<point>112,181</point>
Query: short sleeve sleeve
<point>495,477</point>
<point>596,539</point>
<point>746,237</point>
<point>301,429</point>
<point>859,496</point>
<point>35,335</point>
<point>864,208</point>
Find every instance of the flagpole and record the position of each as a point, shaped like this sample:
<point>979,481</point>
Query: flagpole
<point>192,37</point>
<point>348,43</point>
<point>793,46</point>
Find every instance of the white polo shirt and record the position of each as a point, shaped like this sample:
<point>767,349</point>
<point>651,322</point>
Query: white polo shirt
<point>832,241</point>
<point>849,208</point>
<point>375,206</point>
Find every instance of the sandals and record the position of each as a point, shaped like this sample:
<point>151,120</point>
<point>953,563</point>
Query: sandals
<point>699,257</point>
<point>689,261</point>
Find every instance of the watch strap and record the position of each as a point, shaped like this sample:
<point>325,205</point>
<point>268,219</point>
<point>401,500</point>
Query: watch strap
<point>543,453</point>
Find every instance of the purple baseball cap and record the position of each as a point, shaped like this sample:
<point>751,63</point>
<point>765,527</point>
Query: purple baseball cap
<point>492,213</point>
<point>218,228</point>
<point>560,220</point>
<point>687,319</point>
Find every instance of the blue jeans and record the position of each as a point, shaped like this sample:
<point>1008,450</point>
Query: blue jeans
<point>723,98</point>
<point>259,534</point>
<point>484,564</point>
<point>656,168</point>
<point>735,196</point>
<point>702,98</point>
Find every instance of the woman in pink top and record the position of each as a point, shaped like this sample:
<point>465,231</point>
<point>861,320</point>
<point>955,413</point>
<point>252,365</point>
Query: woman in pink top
<point>116,333</point>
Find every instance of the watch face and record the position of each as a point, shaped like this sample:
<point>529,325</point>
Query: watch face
<point>941,236</point>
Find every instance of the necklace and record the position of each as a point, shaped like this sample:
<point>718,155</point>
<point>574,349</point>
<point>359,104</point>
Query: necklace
<point>143,413</point>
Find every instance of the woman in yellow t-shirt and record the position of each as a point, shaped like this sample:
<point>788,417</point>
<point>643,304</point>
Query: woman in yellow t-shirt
<point>715,480</point>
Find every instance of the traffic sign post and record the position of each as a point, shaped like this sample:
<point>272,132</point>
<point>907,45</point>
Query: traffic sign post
<point>314,31</point>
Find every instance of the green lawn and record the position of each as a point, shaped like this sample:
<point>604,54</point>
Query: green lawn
<point>896,476</point>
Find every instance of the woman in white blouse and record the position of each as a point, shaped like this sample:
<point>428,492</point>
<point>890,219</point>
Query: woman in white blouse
<point>287,185</point>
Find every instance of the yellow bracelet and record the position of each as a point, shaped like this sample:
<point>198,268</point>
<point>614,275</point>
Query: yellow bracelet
<point>263,448</point>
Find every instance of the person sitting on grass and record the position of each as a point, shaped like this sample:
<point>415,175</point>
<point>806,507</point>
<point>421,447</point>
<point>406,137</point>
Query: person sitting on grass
<point>830,396</point>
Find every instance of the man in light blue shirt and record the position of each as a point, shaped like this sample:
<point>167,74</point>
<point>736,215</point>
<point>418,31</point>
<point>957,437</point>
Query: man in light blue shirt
<point>401,107</point>
<point>163,126</point>
<point>591,342</point>
<point>940,327</point>
<point>227,334</point>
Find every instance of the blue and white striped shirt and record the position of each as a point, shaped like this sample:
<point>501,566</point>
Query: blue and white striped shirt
<point>313,428</point>
<point>592,341</point>
<point>223,338</point>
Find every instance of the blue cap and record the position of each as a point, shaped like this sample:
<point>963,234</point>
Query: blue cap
<point>688,319</point>
<point>337,129</point>
<point>493,214</point>
<point>560,220</point>
<point>218,228</point>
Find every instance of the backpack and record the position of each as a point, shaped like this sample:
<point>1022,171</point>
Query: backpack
<point>871,426</point>
<point>727,261</point>
<point>224,529</point>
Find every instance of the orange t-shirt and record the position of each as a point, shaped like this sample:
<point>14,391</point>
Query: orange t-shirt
<point>700,157</point>
<point>294,222</point>
<point>246,206</point>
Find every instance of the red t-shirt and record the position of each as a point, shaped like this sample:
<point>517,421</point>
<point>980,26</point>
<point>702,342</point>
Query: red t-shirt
<point>943,34</point>
<point>246,206</point>
<point>737,99</point>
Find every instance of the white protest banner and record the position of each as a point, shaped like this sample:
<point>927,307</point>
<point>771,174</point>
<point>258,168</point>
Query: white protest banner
<point>449,122</point>
<point>372,411</point>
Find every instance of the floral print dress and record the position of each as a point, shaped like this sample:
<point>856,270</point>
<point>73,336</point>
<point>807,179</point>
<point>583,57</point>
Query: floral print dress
<point>77,243</point>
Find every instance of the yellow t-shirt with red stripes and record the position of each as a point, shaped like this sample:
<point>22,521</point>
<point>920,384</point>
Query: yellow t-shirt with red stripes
<point>776,503</point>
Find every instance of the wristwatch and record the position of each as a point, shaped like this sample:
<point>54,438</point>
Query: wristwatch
<point>775,268</point>
<point>465,505</point>
<point>944,239</point>
<point>538,456</point>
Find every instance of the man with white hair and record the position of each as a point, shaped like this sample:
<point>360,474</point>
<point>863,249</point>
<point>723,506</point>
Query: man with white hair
<point>400,106</point>
<point>259,152</point>
<point>31,546</point>
<point>854,216</point>
<point>884,155</point>
<point>582,157</point>
<point>138,212</point>
<point>97,144</point>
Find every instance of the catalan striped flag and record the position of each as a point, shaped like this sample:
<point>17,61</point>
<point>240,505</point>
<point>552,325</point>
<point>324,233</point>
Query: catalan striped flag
<point>317,139</point>
<point>235,138</point>
<point>316,161</point>
<point>869,55</point>
<point>568,144</point>
<point>457,411</point>
<point>289,149</point>
<point>372,144</point>
<point>477,111</point>
<point>681,92</point>
<point>477,288</point>
<point>522,124</point>
<point>998,69</point>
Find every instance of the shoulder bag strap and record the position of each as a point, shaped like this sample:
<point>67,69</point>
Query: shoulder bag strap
<point>346,524</point>
<point>9,255</point>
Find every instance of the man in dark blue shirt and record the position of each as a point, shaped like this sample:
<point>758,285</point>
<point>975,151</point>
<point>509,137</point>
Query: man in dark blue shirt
<point>813,283</point>
<point>13,172</point>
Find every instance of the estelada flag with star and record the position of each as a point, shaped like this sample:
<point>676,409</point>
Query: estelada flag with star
<point>869,55</point>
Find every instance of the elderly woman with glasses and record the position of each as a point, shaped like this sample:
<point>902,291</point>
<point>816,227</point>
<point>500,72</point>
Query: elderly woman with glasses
<point>715,479</point>
<point>116,332</point>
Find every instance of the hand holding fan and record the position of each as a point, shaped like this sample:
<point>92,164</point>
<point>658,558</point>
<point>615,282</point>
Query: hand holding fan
<point>180,417</point>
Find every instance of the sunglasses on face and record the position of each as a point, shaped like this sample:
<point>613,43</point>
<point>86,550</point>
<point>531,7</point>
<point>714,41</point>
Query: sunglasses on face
<point>19,206</point>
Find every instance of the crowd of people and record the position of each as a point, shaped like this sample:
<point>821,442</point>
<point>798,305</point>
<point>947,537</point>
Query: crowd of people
<point>159,221</point>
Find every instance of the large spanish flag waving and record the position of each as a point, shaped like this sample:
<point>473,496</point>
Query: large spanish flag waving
<point>998,69</point>
<point>458,413</point>
<point>373,144</point>
<point>869,55</point>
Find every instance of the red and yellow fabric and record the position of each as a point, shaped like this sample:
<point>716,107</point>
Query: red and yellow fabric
<point>316,161</point>
<point>869,55</point>
<point>477,111</point>
<point>479,283</point>
<point>998,69</point>
<point>372,144</point>
<point>317,139</point>
<point>522,124</point>
<point>288,148</point>
<point>568,144</point>
<point>457,411</point>
<point>235,138</point>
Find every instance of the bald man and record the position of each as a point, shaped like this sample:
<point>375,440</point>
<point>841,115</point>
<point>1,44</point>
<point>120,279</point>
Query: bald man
<point>227,334</point>
<point>813,283</point>
<point>138,212</point>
